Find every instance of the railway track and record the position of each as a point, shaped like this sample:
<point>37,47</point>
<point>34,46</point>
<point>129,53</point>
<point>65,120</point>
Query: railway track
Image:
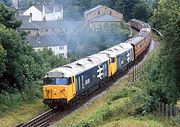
<point>42,120</point>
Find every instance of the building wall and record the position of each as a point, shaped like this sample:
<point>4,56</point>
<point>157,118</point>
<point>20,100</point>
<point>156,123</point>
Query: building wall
<point>36,14</point>
<point>103,10</point>
<point>100,25</point>
<point>62,49</point>
<point>54,16</point>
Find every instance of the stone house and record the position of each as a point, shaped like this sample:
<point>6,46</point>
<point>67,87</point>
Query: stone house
<point>101,10</point>
<point>104,21</point>
<point>101,17</point>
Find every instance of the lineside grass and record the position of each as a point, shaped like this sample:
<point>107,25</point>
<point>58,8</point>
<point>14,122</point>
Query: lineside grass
<point>16,108</point>
<point>22,114</point>
<point>111,109</point>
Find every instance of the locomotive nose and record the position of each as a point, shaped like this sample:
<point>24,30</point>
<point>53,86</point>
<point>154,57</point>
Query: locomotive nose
<point>54,93</point>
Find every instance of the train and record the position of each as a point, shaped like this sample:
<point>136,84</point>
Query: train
<point>71,82</point>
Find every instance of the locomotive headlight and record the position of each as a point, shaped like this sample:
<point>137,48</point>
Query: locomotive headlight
<point>54,90</point>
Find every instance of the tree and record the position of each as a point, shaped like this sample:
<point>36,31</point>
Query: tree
<point>7,17</point>
<point>18,61</point>
<point>126,7</point>
<point>2,59</point>
<point>166,18</point>
<point>133,9</point>
<point>142,12</point>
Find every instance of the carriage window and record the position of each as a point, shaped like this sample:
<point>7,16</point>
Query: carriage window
<point>57,81</point>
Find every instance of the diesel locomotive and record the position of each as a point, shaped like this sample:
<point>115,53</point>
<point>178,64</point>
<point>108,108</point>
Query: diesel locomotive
<point>65,84</point>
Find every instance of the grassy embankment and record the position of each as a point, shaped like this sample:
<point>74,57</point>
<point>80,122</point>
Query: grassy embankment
<point>17,108</point>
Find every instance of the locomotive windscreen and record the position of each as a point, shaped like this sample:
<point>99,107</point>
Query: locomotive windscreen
<point>56,81</point>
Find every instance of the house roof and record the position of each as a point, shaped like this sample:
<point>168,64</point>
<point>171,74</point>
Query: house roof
<point>106,18</point>
<point>93,9</point>
<point>49,9</point>
<point>29,25</point>
<point>45,41</point>
<point>23,18</point>
<point>69,25</point>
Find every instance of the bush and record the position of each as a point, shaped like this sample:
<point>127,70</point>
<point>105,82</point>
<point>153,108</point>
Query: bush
<point>126,91</point>
<point>175,121</point>
<point>17,98</point>
<point>88,123</point>
<point>106,114</point>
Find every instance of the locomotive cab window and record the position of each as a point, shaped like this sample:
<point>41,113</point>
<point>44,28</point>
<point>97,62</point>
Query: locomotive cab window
<point>57,81</point>
<point>112,60</point>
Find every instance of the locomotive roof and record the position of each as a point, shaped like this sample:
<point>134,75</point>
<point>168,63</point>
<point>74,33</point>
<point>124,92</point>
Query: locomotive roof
<point>118,49</point>
<point>86,63</point>
<point>78,66</point>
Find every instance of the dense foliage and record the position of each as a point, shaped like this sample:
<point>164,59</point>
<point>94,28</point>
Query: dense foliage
<point>7,17</point>
<point>167,19</point>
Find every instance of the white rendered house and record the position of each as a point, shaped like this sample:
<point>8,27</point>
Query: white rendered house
<point>45,13</point>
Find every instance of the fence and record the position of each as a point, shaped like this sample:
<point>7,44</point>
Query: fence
<point>136,72</point>
<point>164,110</point>
<point>168,110</point>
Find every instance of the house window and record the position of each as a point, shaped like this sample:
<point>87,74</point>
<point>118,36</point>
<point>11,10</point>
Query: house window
<point>98,12</point>
<point>61,47</point>
<point>50,49</point>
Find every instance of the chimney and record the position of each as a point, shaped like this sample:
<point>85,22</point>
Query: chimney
<point>62,12</point>
<point>54,10</point>
<point>30,19</point>
<point>43,13</point>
